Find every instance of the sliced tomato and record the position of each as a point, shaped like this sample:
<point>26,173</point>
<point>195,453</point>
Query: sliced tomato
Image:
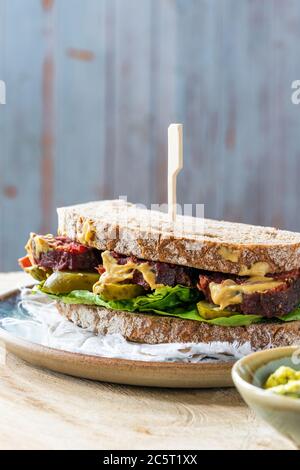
<point>73,248</point>
<point>77,248</point>
<point>25,262</point>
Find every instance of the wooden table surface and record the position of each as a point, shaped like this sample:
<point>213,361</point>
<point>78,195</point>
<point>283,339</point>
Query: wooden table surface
<point>40,409</point>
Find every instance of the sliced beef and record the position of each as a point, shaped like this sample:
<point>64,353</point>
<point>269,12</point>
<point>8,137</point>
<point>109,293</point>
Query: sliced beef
<point>66,255</point>
<point>272,303</point>
<point>166,274</point>
<point>60,260</point>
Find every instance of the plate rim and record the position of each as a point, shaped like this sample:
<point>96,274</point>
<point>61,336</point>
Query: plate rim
<point>10,339</point>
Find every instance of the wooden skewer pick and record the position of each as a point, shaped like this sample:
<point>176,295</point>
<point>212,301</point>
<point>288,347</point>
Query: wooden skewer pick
<point>175,164</point>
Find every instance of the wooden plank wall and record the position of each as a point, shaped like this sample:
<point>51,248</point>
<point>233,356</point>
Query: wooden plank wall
<point>92,86</point>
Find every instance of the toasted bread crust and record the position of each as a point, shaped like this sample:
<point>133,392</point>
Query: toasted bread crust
<point>120,226</point>
<point>154,329</point>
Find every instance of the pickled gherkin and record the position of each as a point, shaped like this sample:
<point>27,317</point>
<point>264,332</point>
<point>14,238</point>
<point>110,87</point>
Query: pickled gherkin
<point>210,311</point>
<point>37,273</point>
<point>63,282</point>
<point>118,291</point>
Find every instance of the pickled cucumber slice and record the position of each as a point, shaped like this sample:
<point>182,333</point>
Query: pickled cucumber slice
<point>210,311</point>
<point>63,282</point>
<point>118,291</point>
<point>37,273</point>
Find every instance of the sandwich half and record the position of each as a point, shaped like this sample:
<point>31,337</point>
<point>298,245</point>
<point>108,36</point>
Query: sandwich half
<point>118,268</point>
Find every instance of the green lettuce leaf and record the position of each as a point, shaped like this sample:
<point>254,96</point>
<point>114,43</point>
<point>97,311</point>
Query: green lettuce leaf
<point>292,316</point>
<point>235,320</point>
<point>162,299</point>
<point>175,301</point>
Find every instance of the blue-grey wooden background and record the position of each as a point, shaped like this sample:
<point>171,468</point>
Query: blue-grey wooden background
<point>93,84</point>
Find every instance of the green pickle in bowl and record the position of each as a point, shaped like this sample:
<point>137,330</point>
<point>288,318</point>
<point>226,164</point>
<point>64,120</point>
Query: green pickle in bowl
<point>284,381</point>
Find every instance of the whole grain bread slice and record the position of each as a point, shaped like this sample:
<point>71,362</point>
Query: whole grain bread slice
<point>154,329</point>
<point>196,242</point>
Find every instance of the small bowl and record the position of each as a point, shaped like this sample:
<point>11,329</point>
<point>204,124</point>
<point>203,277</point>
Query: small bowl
<point>249,375</point>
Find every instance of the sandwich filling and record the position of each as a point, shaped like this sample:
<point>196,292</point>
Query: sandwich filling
<point>272,295</point>
<point>72,272</point>
<point>61,254</point>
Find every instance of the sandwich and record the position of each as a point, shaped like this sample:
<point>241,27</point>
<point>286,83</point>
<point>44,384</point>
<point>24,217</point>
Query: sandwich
<point>115,267</point>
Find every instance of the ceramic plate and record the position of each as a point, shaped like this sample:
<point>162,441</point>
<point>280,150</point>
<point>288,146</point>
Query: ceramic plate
<point>120,371</point>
